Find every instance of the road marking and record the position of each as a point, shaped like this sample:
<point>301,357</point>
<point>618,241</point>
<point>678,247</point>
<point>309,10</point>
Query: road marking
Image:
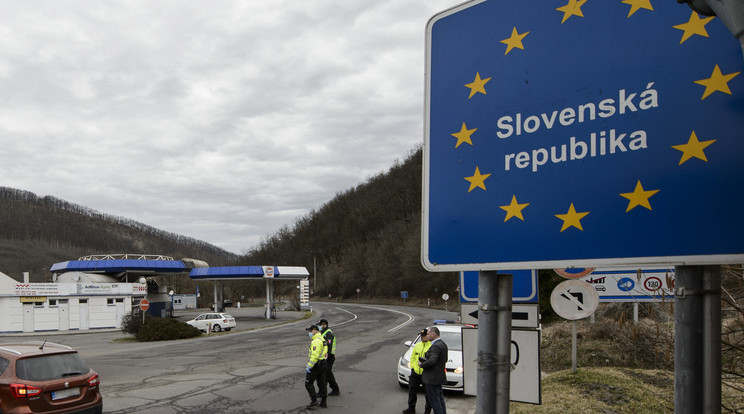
<point>410,317</point>
<point>350,320</point>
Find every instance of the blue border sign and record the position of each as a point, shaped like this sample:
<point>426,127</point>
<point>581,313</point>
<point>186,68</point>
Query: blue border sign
<point>524,286</point>
<point>581,134</point>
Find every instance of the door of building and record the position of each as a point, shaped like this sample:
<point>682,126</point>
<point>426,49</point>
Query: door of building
<point>28,317</point>
<point>84,323</point>
<point>64,314</point>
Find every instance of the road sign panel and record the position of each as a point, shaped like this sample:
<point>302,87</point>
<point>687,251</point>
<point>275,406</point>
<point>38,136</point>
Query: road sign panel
<point>581,129</point>
<point>574,299</point>
<point>525,377</point>
<point>524,286</point>
<point>144,304</point>
<point>524,315</point>
<point>574,273</point>
<point>632,284</point>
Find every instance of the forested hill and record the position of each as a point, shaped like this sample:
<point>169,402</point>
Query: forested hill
<point>367,238</point>
<point>36,232</point>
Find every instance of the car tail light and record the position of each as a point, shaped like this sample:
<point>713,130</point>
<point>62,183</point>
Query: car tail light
<point>94,382</point>
<point>23,390</point>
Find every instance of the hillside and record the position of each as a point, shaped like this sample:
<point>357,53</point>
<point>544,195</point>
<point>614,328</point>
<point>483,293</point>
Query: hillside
<point>36,232</point>
<point>367,238</point>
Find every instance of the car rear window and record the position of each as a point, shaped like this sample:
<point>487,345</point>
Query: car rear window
<point>50,367</point>
<point>3,365</point>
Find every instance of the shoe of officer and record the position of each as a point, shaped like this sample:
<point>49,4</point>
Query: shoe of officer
<point>323,403</point>
<point>409,410</point>
<point>334,393</point>
<point>313,403</point>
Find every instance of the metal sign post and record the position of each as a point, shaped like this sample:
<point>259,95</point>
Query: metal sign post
<point>494,342</point>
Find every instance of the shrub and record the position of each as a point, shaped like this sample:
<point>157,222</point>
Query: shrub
<point>132,322</point>
<point>158,329</point>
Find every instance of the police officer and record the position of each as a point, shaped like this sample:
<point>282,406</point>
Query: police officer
<point>414,380</point>
<point>316,367</point>
<point>330,340</point>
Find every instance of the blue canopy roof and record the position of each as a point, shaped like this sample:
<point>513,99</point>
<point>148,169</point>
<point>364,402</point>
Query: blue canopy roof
<point>120,265</point>
<point>248,272</point>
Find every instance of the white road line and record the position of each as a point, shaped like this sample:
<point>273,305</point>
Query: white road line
<point>406,323</point>
<point>411,318</point>
<point>345,322</point>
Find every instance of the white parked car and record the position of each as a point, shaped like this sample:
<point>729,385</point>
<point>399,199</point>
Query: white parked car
<point>218,322</point>
<point>451,334</point>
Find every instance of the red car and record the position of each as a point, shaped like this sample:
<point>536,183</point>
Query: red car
<point>42,377</point>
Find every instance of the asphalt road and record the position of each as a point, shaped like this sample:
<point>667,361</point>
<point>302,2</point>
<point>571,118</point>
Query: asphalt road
<point>261,370</point>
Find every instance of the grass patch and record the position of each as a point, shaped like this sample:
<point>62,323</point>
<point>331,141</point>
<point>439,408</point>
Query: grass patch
<point>604,390</point>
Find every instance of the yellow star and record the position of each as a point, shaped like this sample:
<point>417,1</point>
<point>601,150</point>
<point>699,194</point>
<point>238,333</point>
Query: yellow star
<point>477,180</point>
<point>639,197</point>
<point>693,148</point>
<point>514,41</point>
<point>573,8</point>
<point>635,5</point>
<point>514,209</point>
<point>478,85</point>
<point>464,135</point>
<point>694,26</point>
<point>717,82</point>
<point>571,218</point>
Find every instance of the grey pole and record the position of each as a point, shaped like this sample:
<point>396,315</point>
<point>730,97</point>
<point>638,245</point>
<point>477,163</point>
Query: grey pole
<point>712,339</point>
<point>216,296</point>
<point>267,313</point>
<point>487,330</point>
<point>494,342</point>
<point>503,341</point>
<point>688,343</point>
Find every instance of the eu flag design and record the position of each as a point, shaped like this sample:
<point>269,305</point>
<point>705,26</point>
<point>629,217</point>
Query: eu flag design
<point>581,133</point>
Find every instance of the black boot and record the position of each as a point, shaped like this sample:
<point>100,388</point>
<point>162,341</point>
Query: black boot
<point>313,403</point>
<point>323,403</point>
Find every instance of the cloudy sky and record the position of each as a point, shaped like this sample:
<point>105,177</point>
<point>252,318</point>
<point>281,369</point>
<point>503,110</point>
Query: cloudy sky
<point>219,120</point>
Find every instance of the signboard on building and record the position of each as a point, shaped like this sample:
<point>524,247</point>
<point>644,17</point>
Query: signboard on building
<point>76,289</point>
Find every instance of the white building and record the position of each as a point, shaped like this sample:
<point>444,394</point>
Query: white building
<point>80,301</point>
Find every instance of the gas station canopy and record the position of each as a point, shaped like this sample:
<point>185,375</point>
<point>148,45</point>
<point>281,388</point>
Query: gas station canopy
<point>249,272</point>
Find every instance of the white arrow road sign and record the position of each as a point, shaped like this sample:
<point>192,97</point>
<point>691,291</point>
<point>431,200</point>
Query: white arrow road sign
<point>574,299</point>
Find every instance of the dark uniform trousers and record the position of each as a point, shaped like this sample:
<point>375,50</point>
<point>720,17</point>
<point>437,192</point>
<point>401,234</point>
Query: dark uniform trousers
<point>317,374</point>
<point>414,382</point>
<point>330,378</point>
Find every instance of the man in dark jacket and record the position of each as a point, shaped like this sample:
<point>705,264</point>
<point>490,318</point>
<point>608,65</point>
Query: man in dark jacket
<point>434,375</point>
<point>331,342</point>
